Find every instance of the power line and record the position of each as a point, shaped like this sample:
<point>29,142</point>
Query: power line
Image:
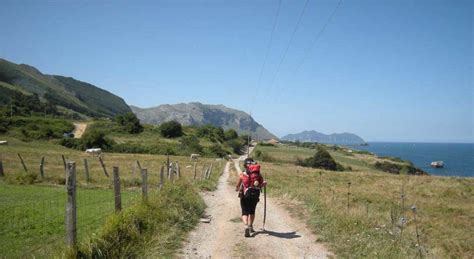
<point>314,42</point>
<point>266,57</point>
<point>261,71</point>
<point>289,42</point>
<point>318,36</point>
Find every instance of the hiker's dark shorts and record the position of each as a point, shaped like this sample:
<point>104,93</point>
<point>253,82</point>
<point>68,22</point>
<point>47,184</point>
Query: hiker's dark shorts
<point>248,205</point>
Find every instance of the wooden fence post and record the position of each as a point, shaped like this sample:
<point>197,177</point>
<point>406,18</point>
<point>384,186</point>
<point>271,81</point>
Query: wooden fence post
<point>71,213</point>
<point>64,163</point>
<point>162,177</point>
<point>41,168</point>
<point>178,172</point>
<point>86,170</point>
<point>145,183</point>
<point>23,163</point>
<point>139,165</point>
<point>348,194</point>
<point>135,164</point>
<point>210,171</point>
<point>1,166</point>
<point>195,170</point>
<point>171,172</point>
<point>203,171</point>
<point>117,195</point>
<point>168,164</point>
<point>103,166</point>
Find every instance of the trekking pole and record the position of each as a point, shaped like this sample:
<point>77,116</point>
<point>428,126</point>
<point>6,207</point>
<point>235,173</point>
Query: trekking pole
<point>264,202</point>
<point>264,206</point>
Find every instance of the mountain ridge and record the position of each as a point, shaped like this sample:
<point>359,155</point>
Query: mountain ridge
<point>67,92</point>
<point>334,138</point>
<point>196,113</point>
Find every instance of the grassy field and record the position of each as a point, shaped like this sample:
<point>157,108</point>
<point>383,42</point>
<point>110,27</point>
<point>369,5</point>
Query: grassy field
<point>32,217</point>
<point>32,152</point>
<point>367,222</point>
<point>32,209</point>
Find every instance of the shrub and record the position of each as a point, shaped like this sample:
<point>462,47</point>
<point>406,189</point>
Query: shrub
<point>171,129</point>
<point>230,134</point>
<point>218,150</point>
<point>163,219</point>
<point>214,134</point>
<point>321,159</point>
<point>237,145</point>
<point>96,139</point>
<point>129,123</point>
<point>191,144</point>
<point>39,128</point>
<point>259,155</point>
<point>398,169</point>
<point>264,144</point>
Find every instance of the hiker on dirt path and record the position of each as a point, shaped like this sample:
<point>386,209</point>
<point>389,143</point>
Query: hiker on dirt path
<point>249,187</point>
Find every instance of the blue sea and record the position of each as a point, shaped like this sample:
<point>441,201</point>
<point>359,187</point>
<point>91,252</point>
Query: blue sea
<point>458,158</point>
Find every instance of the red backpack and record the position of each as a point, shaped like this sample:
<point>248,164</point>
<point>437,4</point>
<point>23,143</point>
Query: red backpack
<point>252,181</point>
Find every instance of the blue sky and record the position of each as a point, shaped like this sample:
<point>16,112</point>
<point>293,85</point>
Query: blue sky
<point>386,70</point>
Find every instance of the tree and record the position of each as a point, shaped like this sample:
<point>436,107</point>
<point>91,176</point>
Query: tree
<point>214,134</point>
<point>322,159</point>
<point>171,129</point>
<point>129,122</point>
<point>96,139</point>
<point>230,134</point>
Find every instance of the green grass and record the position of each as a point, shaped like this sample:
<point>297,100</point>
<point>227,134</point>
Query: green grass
<point>38,225</point>
<point>32,217</point>
<point>155,228</point>
<point>445,211</point>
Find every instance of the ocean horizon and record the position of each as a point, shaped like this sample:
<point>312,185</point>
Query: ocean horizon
<point>458,158</point>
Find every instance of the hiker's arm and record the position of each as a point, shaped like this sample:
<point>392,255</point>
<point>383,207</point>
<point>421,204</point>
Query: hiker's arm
<point>239,182</point>
<point>264,183</point>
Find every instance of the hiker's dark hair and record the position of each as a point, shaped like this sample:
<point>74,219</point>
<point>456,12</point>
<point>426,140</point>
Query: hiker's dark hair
<point>249,161</point>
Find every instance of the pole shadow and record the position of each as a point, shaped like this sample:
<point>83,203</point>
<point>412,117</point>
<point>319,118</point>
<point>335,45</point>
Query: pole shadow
<point>285,235</point>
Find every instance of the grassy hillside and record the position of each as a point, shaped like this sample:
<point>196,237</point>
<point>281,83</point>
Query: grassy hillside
<point>201,140</point>
<point>65,92</point>
<point>367,222</point>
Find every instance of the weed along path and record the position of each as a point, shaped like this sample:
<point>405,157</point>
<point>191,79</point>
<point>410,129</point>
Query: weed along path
<point>223,236</point>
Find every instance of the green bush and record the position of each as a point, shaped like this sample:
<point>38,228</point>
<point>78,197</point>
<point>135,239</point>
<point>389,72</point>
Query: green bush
<point>164,219</point>
<point>398,168</point>
<point>321,159</point>
<point>171,129</point>
<point>96,139</point>
<point>191,144</point>
<point>91,139</point>
<point>217,150</point>
<point>237,145</point>
<point>214,134</point>
<point>37,127</point>
<point>129,123</point>
<point>259,155</point>
<point>230,134</point>
<point>264,144</point>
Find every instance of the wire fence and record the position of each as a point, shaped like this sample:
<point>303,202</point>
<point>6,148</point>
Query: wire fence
<point>65,206</point>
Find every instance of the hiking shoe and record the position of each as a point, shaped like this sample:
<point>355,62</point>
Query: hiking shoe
<point>247,232</point>
<point>251,230</point>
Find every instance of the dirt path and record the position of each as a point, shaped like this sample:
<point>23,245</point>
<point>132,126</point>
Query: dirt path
<point>79,129</point>
<point>223,237</point>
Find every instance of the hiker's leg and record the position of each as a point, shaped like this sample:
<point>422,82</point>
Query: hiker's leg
<point>251,219</point>
<point>245,219</point>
